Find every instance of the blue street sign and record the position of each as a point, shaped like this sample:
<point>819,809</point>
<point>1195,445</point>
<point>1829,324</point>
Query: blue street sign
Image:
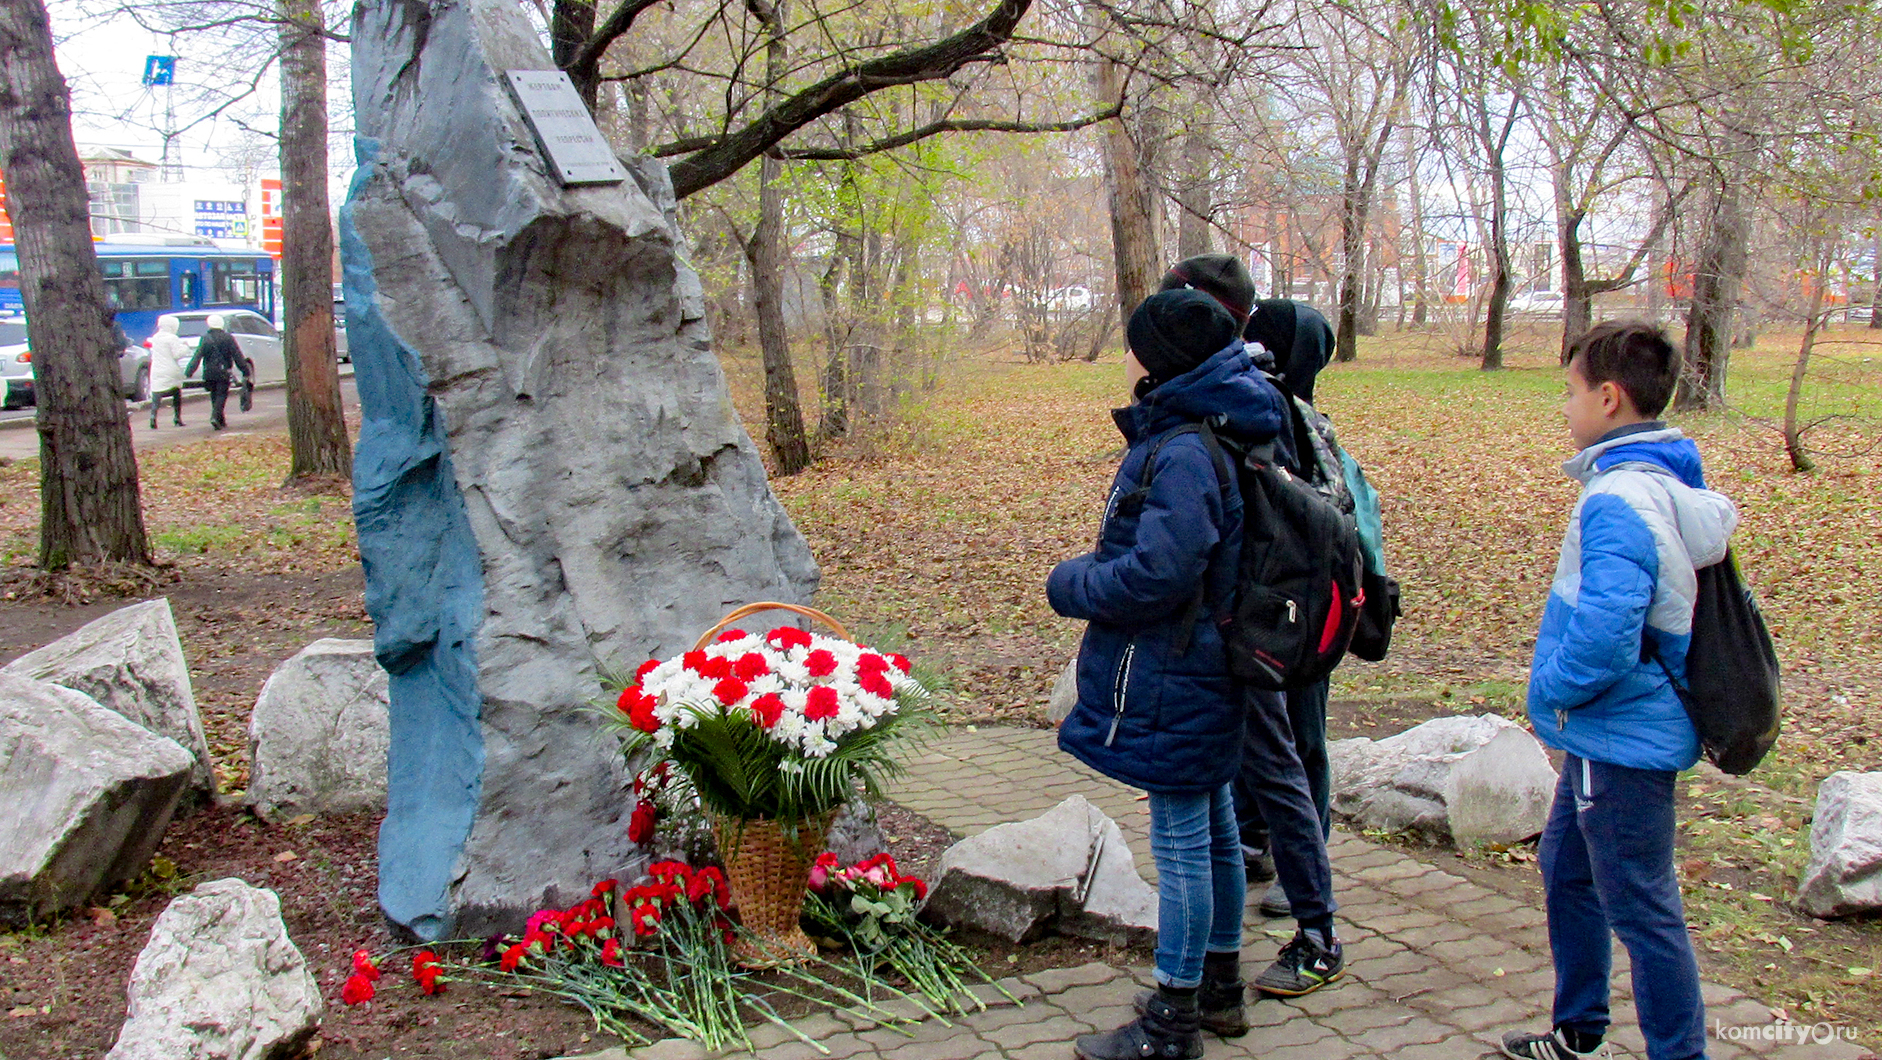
<point>159,69</point>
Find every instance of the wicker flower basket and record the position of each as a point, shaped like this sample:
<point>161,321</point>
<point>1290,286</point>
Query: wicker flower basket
<point>766,871</point>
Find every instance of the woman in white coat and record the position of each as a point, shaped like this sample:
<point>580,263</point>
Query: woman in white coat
<point>167,354</point>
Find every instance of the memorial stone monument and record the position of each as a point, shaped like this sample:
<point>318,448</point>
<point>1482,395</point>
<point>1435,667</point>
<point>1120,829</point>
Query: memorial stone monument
<point>550,479</point>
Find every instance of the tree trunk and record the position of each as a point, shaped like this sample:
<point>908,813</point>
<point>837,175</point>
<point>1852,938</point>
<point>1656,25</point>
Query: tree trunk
<point>1496,310</point>
<point>1134,241</point>
<point>1420,266</point>
<point>571,23</point>
<point>784,418</point>
<point>1715,284</point>
<point>89,505</point>
<point>1793,434</point>
<point>1875,291</point>
<point>1352,259</point>
<point>316,419</point>
<point>1577,299</point>
<point>1196,203</point>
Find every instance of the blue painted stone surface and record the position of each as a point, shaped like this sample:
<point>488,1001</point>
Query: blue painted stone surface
<point>424,591</point>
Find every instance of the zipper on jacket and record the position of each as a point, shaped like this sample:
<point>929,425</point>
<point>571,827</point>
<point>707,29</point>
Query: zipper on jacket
<point>1118,687</point>
<point>1561,720</point>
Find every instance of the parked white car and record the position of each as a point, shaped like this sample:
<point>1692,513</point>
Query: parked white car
<point>1073,299</point>
<point>259,340</point>
<point>1536,304</point>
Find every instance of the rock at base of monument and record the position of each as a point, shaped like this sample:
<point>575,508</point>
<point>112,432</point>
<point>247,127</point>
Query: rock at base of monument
<point>854,834</point>
<point>220,978</point>
<point>1067,870</point>
<point>1469,781</point>
<point>131,661</point>
<point>87,793</point>
<point>1844,876</point>
<point>1064,693</point>
<point>317,739</point>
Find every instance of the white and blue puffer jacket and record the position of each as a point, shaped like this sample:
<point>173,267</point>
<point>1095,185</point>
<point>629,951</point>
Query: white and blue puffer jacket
<point>1642,525</point>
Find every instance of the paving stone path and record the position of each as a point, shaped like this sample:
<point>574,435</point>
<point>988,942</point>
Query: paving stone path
<point>1438,965</point>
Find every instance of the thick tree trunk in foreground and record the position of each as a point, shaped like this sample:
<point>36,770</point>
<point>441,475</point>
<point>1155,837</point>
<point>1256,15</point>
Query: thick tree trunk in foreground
<point>316,419</point>
<point>89,506</point>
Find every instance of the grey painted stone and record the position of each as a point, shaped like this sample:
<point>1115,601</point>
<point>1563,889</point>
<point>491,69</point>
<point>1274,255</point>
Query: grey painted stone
<point>318,735</point>
<point>1468,780</point>
<point>1064,693</point>
<point>132,662</point>
<point>1068,870</point>
<point>220,980</point>
<point>87,794</point>
<point>1844,876</point>
<point>550,477</point>
<point>854,833</point>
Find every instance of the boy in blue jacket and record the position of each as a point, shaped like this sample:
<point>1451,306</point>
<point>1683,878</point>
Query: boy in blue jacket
<point>1620,605</point>
<point>1156,706</point>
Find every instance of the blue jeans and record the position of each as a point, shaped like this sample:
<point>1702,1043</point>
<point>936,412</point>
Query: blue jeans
<point>1200,887</point>
<point>1607,863</point>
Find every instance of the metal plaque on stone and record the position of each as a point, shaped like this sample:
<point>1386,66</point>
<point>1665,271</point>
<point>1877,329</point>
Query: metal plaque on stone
<point>572,145</point>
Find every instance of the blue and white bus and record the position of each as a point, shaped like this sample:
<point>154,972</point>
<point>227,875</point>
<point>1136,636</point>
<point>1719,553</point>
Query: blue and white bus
<point>148,276</point>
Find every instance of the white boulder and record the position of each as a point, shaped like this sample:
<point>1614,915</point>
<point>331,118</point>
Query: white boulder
<point>1064,693</point>
<point>1469,780</point>
<point>1067,870</point>
<point>220,980</point>
<point>318,736</point>
<point>131,661</point>
<point>87,795</point>
<point>1844,876</point>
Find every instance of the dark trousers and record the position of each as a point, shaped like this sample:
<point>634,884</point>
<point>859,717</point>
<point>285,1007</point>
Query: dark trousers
<point>1607,864</point>
<point>1307,721</point>
<point>175,394</point>
<point>1273,789</point>
<point>218,400</point>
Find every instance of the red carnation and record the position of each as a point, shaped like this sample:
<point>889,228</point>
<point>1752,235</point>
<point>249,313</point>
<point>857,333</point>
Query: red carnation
<point>611,954</point>
<point>921,889</point>
<point>784,638</point>
<point>641,672</point>
<point>871,663</point>
<point>364,966</point>
<point>640,714</point>
<point>645,919</point>
<point>730,690</point>
<point>731,635</point>
<point>670,873</point>
<point>707,883</point>
<point>358,990</point>
<point>767,709</point>
<point>821,704</point>
<point>901,663</point>
<point>750,667</point>
<point>693,660</point>
<point>640,823</point>
<point>820,663</point>
<point>876,684</point>
<point>427,970</point>
<point>604,887</point>
<point>512,957</point>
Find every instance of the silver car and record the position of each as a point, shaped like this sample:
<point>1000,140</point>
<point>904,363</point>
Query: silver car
<point>259,340</point>
<point>16,365</point>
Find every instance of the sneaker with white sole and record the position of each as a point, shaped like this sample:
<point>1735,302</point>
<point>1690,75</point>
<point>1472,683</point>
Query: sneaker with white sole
<point>1521,1045</point>
<point>1306,964</point>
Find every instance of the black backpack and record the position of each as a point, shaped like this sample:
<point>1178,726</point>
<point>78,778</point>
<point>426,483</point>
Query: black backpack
<point>1731,691</point>
<point>1298,587</point>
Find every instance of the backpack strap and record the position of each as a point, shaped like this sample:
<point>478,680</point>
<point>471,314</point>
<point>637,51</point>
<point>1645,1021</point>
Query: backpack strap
<point>1225,479</point>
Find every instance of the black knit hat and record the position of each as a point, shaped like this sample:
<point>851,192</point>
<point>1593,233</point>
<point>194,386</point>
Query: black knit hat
<point>1221,276</point>
<point>1172,332</point>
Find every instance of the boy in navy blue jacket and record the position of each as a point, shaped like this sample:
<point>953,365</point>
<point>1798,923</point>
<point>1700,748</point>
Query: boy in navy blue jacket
<point>1156,707</point>
<point>1622,596</point>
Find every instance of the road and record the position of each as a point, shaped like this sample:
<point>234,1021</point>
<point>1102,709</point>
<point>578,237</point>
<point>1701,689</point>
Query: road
<point>270,415</point>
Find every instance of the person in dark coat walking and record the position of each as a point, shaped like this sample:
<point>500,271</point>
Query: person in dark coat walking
<point>1156,706</point>
<point>219,356</point>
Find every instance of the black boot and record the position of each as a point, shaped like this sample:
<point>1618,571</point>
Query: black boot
<point>1170,1028</point>
<point>1221,1001</point>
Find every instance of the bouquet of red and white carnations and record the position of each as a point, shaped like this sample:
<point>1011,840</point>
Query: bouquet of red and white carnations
<point>784,725</point>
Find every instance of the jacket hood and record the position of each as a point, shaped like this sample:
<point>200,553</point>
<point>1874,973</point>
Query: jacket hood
<point>1227,385</point>
<point>167,324</point>
<point>1299,339</point>
<point>1705,519</point>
